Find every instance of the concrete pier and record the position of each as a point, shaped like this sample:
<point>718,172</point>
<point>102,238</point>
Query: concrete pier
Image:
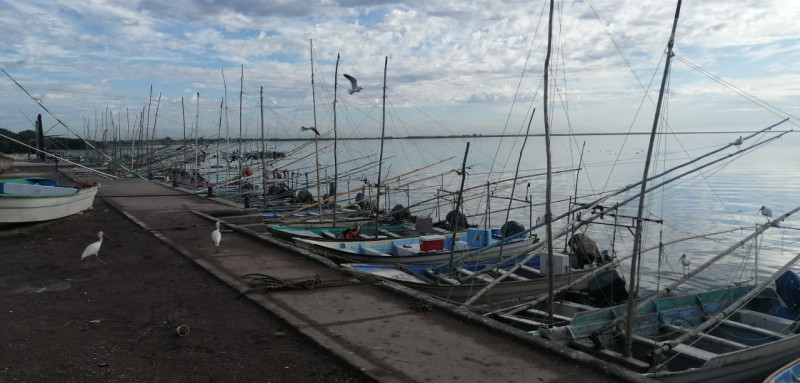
<point>390,333</point>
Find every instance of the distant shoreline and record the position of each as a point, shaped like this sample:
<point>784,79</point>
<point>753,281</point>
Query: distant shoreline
<point>511,135</point>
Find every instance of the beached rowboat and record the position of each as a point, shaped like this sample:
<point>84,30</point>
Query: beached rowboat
<point>41,199</point>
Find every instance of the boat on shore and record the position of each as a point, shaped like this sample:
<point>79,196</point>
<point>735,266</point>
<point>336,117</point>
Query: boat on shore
<point>787,374</point>
<point>527,281</point>
<point>41,199</point>
<point>703,337</point>
<point>473,244</point>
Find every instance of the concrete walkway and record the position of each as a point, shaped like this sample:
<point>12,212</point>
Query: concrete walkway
<point>391,334</point>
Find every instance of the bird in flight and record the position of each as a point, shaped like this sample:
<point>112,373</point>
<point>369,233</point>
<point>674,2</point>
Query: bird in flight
<point>353,84</point>
<point>303,128</point>
<point>93,249</point>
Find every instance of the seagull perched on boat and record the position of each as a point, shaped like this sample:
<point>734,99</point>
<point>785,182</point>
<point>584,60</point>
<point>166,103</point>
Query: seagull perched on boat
<point>737,142</point>
<point>353,84</point>
<point>216,236</point>
<point>303,128</point>
<point>93,249</point>
<point>685,262</point>
<point>766,212</point>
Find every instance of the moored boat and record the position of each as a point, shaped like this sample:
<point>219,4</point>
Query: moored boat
<point>736,334</point>
<point>467,278</point>
<point>787,374</point>
<point>41,199</point>
<point>474,244</point>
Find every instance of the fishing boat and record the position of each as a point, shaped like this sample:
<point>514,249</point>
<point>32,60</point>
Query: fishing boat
<point>41,199</point>
<point>787,374</point>
<point>474,244</point>
<point>736,334</point>
<point>457,286</point>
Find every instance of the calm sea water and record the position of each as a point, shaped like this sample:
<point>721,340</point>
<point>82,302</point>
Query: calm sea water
<point>721,197</point>
<point>421,173</point>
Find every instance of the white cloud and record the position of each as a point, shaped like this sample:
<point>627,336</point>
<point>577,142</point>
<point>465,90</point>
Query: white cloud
<point>450,55</point>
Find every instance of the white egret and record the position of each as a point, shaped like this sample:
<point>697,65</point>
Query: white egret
<point>93,249</point>
<point>353,84</point>
<point>216,236</point>
<point>765,211</point>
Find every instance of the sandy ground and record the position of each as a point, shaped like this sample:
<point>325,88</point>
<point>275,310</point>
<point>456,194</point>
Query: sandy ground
<point>116,322</point>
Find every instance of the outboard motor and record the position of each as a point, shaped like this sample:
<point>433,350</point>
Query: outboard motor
<point>584,251</point>
<point>456,220</point>
<point>304,196</point>
<point>400,213</point>
<point>510,228</point>
<point>608,288</point>
<point>276,188</point>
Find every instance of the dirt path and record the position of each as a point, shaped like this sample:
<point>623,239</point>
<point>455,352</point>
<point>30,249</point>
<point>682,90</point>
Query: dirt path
<point>117,322</point>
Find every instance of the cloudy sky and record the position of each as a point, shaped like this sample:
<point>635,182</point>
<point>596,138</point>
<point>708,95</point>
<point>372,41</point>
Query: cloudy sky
<point>454,67</point>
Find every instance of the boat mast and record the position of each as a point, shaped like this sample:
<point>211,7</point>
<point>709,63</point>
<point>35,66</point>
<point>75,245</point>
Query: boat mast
<point>548,214</point>
<point>316,134</point>
<point>241,94</point>
<point>335,141</point>
<point>263,150</point>
<point>380,157</point>
<point>637,238</point>
<point>454,227</point>
<point>183,114</point>
<point>219,132</point>
<point>196,131</point>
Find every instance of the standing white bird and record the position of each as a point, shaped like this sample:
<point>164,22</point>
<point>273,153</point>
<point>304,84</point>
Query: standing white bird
<point>216,236</point>
<point>766,212</point>
<point>685,262</point>
<point>93,249</point>
<point>737,142</point>
<point>303,128</point>
<point>353,84</point>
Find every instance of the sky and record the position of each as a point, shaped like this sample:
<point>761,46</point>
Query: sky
<point>451,67</point>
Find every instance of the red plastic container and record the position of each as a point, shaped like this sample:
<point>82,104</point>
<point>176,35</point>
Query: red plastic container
<point>431,243</point>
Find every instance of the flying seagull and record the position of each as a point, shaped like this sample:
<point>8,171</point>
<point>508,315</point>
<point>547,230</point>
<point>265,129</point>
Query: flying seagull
<point>303,128</point>
<point>353,84</point>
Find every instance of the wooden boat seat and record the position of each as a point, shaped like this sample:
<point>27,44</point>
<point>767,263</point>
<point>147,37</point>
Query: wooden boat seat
<point>683,349</point>
<point>441,278</point>
<point>512,276</point>
<point>708,337</point>
<point>482,277</point>
<point>389,233</point>
<point>766,333</point>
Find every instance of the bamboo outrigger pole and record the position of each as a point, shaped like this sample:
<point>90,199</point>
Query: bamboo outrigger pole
<point>637,240</point>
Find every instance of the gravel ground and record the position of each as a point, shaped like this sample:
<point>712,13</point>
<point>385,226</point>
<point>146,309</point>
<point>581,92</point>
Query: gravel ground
<point>64,320</point>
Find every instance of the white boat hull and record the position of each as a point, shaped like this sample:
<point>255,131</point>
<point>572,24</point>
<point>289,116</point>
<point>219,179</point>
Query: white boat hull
<point>44,208</point>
